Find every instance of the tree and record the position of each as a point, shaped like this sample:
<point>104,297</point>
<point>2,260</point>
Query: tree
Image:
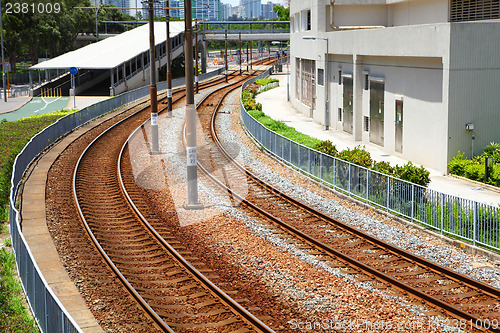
<point>283,13</point>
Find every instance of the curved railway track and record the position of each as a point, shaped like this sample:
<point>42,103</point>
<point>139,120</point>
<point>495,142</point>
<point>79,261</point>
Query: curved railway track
<point>474,304</point>
<point>174,293</point>
<point>149,266</point>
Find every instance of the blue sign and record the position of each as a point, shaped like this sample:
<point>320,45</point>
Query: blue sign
<point>73,70</point>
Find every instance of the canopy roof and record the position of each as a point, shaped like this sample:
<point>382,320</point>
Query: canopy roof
<point>113,51</point>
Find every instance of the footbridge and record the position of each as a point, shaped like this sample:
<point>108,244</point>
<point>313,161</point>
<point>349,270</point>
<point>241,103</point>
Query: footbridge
<point>266,31</point>
<point>120,62</point>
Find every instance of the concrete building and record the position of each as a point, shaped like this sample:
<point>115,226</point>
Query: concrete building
<point>225,11</point>
<point>122,4</point>
<point>157,9</point>
<point>419,78</point>
<point>268,12</point>
<point>252,8</point>
<point>203,14</point>
<point>238,11</point>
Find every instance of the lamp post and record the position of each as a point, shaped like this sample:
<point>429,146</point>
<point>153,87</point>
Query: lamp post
<point>3,58</point>
<point>327,111</point>
<point>288,73</point>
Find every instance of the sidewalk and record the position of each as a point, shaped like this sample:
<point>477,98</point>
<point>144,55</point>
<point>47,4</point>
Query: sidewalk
<point>275,105</point>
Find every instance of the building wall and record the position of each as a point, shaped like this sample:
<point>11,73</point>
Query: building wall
<point>418,12</point>
<point>474,86</point>
<point>411,60</point>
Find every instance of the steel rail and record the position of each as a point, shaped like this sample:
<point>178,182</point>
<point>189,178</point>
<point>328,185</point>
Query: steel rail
<point>158,320</point>
<point>145,306</point>
<point>367,269</point>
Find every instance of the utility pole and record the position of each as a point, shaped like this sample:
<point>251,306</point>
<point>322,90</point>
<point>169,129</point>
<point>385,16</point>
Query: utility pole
<point>96,30</point>
<point>196,56</point>
<point>225,53</point>
<point>169,60</point>
<point>192,171</point>
<point>152,86</point>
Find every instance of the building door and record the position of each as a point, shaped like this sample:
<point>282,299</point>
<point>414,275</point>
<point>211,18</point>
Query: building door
<point>399,126</point>
<point>377,112</point>
<point>347,113</point>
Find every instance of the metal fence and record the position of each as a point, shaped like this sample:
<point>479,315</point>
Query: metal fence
<point>468,220</point>
<point>49,312</point>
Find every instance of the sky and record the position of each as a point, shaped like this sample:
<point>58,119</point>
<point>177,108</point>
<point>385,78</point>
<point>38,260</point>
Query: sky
<point>237,2</point>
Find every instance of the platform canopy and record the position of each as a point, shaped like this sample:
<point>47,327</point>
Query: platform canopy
<point>113,51</point>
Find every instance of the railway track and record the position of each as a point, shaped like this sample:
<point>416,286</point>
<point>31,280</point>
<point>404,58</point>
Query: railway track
<point>472,304</point>
<point>168,290</point>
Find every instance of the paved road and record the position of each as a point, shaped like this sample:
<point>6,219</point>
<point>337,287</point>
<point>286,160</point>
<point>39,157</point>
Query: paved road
<point>36,106</point>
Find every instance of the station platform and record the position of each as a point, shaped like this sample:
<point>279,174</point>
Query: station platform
<point>275,105</point>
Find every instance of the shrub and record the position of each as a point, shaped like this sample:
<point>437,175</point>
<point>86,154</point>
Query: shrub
<point>253,88</point>
<point>413,174</point>
<point>263,82</point>
<point>326,147</point>
<point>458,164</point>
<point>383,167</point>
<point>493,150</point>
<point>357,156</point>
<point>495,175</point>
<point>474,171</point>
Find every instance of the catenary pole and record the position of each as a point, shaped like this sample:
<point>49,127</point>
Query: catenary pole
<point>196,57</point>
<point>152,86</point>
<point>192,172</point>
<point>169,58</point>
<point>225,52</point>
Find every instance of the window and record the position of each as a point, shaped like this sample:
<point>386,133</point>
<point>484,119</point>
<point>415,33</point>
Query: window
<point>321,73</point>
<point>467,10</point>
<point>340,114</point>
<point>308,20</point>
<point>367,124</point>
<point>367,82</point>
<point>340,77</point>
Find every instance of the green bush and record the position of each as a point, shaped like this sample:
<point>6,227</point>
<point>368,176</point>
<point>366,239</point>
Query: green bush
<point>326,147</point>
<point>492,150</point>
<point>458,164</point>
<point>474,171</point>
<point>383,167</point>
<point>413,174</point>
<point>358,156</point>
<point>252,88</point>
<point>264,82</point>
<point>495,175</point>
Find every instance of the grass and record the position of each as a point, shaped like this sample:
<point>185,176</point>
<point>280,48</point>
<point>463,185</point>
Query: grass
<point>13,314</point>
<point>14,317</point>
<point>283,129</point>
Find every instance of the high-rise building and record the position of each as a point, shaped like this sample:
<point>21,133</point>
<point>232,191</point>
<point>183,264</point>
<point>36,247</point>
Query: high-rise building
<point>225,11</point>
<point>252,8</point>
<point>175,12</point>
<point>122,4</point>
<point>268,11</point>
<point>157,7</point>
<point>204,14</point>
<point>238,11</point>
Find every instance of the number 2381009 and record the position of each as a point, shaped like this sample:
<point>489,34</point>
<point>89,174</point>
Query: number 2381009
<point>33,8</point>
